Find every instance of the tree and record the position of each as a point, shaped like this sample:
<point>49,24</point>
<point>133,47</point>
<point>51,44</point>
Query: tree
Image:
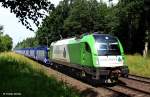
<point>147,26</point>
<point>29,42</point>
<point>5,42</point>
<point>128,20</point>
<point>79,18</point>
<point>86,16</point>
<point>28,10</point>
<point>52,25</point>
<point>71,17</point>
<point>131,26</point>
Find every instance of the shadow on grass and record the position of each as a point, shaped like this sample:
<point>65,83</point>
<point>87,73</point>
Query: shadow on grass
<point>17,77</point>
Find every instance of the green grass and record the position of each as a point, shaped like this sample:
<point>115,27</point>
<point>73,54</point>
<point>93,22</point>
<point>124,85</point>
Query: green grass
<point>19,74</point>
<point>138,65</point>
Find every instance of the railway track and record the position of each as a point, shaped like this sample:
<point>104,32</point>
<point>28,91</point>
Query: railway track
<point>131,92</point>
<point>126,87</point>
<point>133,86</point>
<point>139,78</point>
<point>84,88</point>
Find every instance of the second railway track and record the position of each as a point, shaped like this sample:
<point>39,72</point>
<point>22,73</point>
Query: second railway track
<point>139,78</point>
<point>129,91</point>
<point>134,86</point>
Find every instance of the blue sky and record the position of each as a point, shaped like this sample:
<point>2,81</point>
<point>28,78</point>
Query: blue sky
<point>14,28</point>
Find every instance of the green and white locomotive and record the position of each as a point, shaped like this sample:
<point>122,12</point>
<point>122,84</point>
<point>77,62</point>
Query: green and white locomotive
<point>99,56</point>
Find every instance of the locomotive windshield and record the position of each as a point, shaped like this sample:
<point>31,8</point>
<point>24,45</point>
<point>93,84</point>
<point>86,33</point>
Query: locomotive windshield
<point>107,45</point>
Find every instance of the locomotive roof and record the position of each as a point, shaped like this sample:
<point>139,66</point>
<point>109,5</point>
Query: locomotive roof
<point>104,35</point>
<point>66,41</point>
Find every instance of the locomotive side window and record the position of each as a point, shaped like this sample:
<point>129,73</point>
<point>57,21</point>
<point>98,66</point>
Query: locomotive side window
<point>102,46</point>
<point>87,47</point>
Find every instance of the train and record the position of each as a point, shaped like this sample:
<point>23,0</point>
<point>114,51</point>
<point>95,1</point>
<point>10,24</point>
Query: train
<point>96,56</point>
<point>37,53</point>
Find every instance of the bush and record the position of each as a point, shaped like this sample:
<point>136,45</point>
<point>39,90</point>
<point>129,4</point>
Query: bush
<point>138,65</point>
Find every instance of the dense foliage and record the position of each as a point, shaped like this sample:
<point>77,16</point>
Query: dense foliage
<point>5,41</point>
<point>129,20</point>
<point>72,17</point>
<point>26,10</point>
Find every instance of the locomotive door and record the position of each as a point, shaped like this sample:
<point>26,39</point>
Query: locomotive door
<point>86,56</point>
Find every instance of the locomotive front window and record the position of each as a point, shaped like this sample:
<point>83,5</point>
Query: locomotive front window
<point>101,46</point>
<point>107,45</point>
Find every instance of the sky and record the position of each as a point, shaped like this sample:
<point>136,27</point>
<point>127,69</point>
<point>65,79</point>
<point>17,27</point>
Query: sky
<point>14,28</point>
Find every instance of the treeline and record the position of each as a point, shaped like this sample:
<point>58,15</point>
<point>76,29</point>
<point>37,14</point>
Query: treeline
<point>29,42</point>
<point>5,41</point>
<point>129,20</point>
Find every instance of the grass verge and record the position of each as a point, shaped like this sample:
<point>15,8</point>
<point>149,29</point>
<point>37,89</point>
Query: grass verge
<point>138,65</point>
<point>22,76</point>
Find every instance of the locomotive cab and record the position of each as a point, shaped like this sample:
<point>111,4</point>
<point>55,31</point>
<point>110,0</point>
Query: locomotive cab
<point>110,57</point>
<point>109,51</point>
